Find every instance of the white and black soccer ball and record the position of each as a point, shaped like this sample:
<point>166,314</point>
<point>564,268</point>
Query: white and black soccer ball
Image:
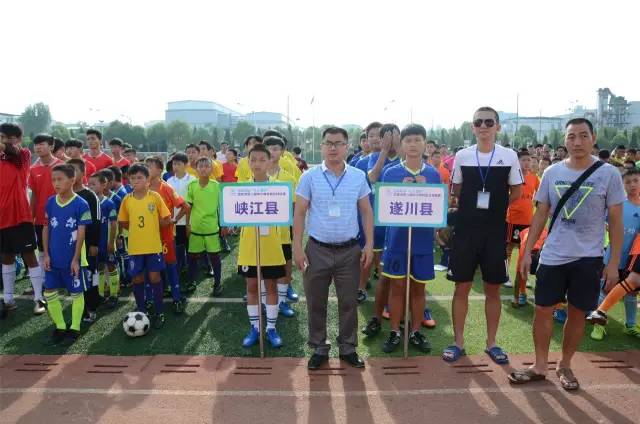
<point>136,324</point>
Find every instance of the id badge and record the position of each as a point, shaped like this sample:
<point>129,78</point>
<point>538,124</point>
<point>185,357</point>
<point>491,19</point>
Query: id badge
<point>334,209</point>
<point>264,231</point>
<point>483,200</point>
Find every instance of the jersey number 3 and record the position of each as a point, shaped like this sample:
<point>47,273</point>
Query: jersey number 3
<point>141,221</point>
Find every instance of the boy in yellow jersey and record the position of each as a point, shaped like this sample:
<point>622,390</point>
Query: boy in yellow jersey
<point>193,154</point>
<point>207,151</point>
<point>275,145</point>
<point>243,171</point>
<point>286,161</point>
<point>271,260</point>
<point>203,231</point>
<point>143,212</point>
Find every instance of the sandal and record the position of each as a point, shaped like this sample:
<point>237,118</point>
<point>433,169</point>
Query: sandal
<point>568,381</point>
<point>453,353</point>
<point>525,376</point>
<point>497,355</point>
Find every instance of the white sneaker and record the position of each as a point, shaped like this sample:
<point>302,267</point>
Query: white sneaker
<point>529,284</point>
<point>38,308</point>
<point>440,268</point>
<point>508,284</point>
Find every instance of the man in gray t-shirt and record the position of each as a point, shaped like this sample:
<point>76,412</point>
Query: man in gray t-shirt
<point>571,260</point>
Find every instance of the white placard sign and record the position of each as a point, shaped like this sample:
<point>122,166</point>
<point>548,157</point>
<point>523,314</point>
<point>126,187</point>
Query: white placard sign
<point>256,204</point>
<point>411,205</point>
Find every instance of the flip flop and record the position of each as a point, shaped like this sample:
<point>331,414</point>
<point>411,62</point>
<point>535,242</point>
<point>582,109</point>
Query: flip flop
<point>497,355</point>
<point>525,376</point>
<point>568,381</point>
<point>452,353</point>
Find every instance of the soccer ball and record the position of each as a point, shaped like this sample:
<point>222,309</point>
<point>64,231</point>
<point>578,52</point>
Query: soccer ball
<point>136,324</point>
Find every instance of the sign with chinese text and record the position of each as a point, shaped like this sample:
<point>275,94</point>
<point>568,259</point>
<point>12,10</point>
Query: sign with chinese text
<point>256,204</point>
<point>411,205</point>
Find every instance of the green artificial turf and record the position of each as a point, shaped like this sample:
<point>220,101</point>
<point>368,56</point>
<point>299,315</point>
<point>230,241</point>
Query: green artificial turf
<point>218,328</point>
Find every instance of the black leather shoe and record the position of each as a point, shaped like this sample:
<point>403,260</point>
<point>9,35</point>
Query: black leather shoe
<point>353,359</point>
<point>316,361</point>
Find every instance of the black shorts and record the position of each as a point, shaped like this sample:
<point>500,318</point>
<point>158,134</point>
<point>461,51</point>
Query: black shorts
<point>268,272</point>
<point>286,251</point>
<point>18,239</point>
<point>38,229</point>
<point>181,235</point>
<point>578,282</point>
<point>483,247</point>
<point>513,232</point>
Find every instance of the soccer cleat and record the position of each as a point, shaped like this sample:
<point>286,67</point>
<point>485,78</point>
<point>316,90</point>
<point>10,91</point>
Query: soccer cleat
<point>633,331</point>
<point>150,308</point>
<point>217,290</point>
<point>179,306</point>
<point>440,268</point>
<point>286,310</point>
<point>392,342</point>
<point>90,317</point>
<point>70,337</point>
<point>158,321</point>
<point>419,341</point>
<point>597,317</point>
<point>57,336</point>
<point>598,333</point>
<point>291,294</point>
<point>274,338</point>
<point>251,338</point>
<point>560,315</point>
<point>373,327</point>
<point>508,284</point>
<point>39,307</point>
<point>385,312</point>
<point>112,302</point>
<point>427,319</point>
<point>361,297</point>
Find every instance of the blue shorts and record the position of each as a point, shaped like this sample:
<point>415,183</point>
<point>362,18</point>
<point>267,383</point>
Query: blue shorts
<point>139,264</point>
<point>106,258</point>
<point>63,279</point>
<point>395,266</point>
<point>379,234</point>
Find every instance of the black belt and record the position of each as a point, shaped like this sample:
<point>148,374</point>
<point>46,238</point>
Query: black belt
<point>342,245</point>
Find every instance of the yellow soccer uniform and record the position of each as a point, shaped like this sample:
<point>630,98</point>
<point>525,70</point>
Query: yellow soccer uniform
<point>216,174</point>
<point>270,247</point>
<point>143,216</point>
<point>284,177</point>
<point>243,171</point>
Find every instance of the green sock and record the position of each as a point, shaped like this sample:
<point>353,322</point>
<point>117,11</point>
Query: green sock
<point>102,281</point>
<point>114,283</point>
<point>77,308</point>
<point>54,307</point>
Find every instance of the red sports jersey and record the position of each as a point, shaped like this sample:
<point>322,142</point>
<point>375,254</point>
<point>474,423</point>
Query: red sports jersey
<point>14,205</point>
<point>89,170</point>
<point>172,200</point>
<point>229,172</point>
<point>100,162</point>
<point>41,187</point>
<point>122,162</point>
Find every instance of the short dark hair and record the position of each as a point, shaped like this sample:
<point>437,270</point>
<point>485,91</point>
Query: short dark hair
<point>43,138</point>
<point>432,142</point>
<point>204,159</point>
<point>247,140</point>
<point>191,146</point>
<point>488,109</point>
<point>631,172</point>
<point>95,132</point>
<point>156,160</point>
<point>180,157</point>
<point>632,162</point>
<point>224,142</point>
<point>363,136</point>
<point>79,163</point>
<point>116,142</point>
<point>372,126</point>
<point>259,148</point>
<point>10,129</point>
<point>389,128</point>
<point>413,129</point>
<point>73,142</point>
<point>272,140</point>
<point>523,153</point>
<point>538,145</point>
<point>127,146</point>
<point>108,174</point>
<point>234,151</point>
<point>100,176</point>
<point>578,121</point>
<point>562,148</point>
<point>67,169</point>
<point>632,151</point>
<point>335,130</point>
<point>621,147</point>
<point>57,144</point>
<point>604,154</point>
<point>117,172</point>
<point>272,132</point>
<point>297,150</point>
<point>130,150</point>
<point>139,168</point>
<point>206,144</point>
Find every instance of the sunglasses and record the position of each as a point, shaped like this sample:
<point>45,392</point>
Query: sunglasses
<point>487,123</point>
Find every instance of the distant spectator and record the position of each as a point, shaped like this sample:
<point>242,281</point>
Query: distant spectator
<point>561,152</point>
<point>230,166</point>
<point>302,164</point>
<point>544,164</point>
<point>629,164</point>
<point>604,155</point>
<point>222,154</point>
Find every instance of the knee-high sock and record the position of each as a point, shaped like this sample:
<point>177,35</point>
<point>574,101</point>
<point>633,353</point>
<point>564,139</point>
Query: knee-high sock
<point>217,268</point>
<point>193,267</point>
<point>138,294</point>
<point>9,281</point>
<point>263,293</point>
<point>102,281</point>
<point>254,318</point>
<point>272,316</point>
<point>181,254</point>
<point>54,308</point>
<point>630,310</point>
<point>174,282</point>
<point>114,283</point>
<point>614,296</point>
<point>282,292</point>
<point>77,307</point>
<point>37,281</point>
<point>148,290</point>
<point>158,292</point>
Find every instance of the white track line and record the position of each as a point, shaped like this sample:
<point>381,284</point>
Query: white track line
<point>307,393</point>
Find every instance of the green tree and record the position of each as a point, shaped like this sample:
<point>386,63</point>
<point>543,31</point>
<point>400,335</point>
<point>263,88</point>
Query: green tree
<point>178,135</point>
<point>35,119</point>
<point>242,130</point>
<point>619,139</point>
<point>555,137</point>
<point>200,134</point>
<point>157,135</point>
<point>635,138</point>
<point>60,131</point>
<point>526,135</point>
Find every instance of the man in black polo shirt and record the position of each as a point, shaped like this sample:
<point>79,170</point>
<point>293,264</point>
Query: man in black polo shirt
<point>486,178</point>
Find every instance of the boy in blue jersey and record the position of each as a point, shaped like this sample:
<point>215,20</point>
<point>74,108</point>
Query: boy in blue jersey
<point>63,238</point>
<point>106,263</point>
<point>411,170</point>
<point>361,161</point>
